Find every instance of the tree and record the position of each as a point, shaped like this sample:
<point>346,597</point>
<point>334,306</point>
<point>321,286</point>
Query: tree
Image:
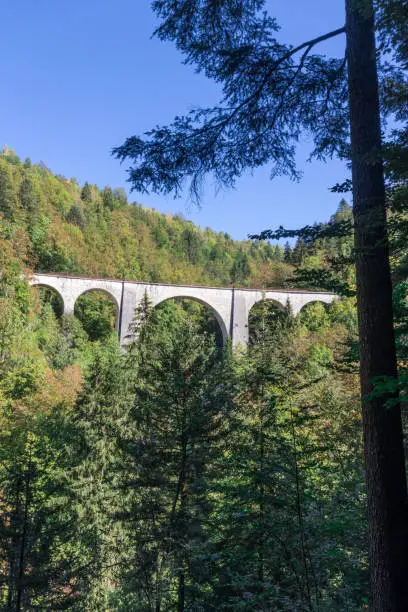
<point>29,200</point>
<point>86,193</point>
<point>192,244</point>
<point>76,216</point>
<point>271,94</point>
<point>240,268</point>
<point>179,414</point>
<point>120,195</point>
<point>8,200</point>
<point>384,453</point>
<point>287,253</point>
<point>97,420</point>
<point>108,198</point>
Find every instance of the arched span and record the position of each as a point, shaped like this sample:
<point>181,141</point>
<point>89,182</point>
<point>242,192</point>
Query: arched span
<point>104,292</point>
<point>216,314</point>
<point>314,315</point>
<point>271,301</point>
<point>325,305</point>
<point>264,319</point>
<point>53,290</point>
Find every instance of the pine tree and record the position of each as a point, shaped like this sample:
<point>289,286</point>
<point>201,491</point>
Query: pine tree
<point>240,269</point>
<point>177,419</point>
<point>108,198</point>
<point>98,418</point>
<point>8,200</point>
<point>86,193</point>
<point>287,253</point>
<point>76,216</point>
<point>337,101</point>
<point>41,549</point>
<point>29,200</point>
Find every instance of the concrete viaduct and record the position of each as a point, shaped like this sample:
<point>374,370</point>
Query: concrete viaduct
<point>230,306</point>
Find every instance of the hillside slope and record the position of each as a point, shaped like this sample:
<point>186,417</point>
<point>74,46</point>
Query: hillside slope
<point>58,226</point>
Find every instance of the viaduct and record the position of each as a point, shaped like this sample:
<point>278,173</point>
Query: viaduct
<point>230,306</point>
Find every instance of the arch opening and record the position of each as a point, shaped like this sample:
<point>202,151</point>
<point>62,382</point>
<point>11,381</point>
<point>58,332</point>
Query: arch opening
<point>206,318</point>
<point>265,318</point>
<point>314,315</point>
<point>49,298</point>
<point>98,312</point>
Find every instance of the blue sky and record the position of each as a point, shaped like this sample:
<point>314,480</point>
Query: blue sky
<point>79,76</point>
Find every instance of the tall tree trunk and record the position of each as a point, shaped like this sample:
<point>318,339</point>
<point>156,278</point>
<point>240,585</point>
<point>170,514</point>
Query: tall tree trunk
<point>382,428</point>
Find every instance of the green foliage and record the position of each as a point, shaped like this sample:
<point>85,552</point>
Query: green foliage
<point>76,216</point>
<point>96,232</point>
<point>97,314</point>
<point>314,316</point>
<point>265,319</point>
<point>86,193</point>
<point>177,474</point>
<point>108,198</point>
<point>178,415</point>
<point>240,268</point>
<point>8,200</point>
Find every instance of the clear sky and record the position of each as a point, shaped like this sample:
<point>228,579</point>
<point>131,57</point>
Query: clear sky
<point>79,76</point>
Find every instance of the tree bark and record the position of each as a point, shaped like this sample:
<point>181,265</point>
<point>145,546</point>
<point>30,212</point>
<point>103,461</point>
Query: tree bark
<point>382,427</point>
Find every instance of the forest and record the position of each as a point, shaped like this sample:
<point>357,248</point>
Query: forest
<point>176,473</point>
<point>179,474</point>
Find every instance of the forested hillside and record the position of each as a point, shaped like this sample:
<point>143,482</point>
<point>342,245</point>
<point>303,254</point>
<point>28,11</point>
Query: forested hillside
<point>66,228</point>
<point>176,474</point>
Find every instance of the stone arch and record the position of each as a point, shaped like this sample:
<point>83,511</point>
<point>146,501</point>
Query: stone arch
<point>271,300</point>
<point>325,305</point>
<point>50,287</point>
<point>217,316</point>
<point>103,291</point>
<point>270,315</point>
<point>303,310</point>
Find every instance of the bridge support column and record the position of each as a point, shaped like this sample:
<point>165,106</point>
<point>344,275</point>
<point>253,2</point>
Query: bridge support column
<point>239,319</point>
<point>69,304</point>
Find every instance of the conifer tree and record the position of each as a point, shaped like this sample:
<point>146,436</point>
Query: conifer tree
<point>29,200</point>
<point>240,268</point>
<point>42,550</point>
<point>8,200</point>
<point>269,547</point>
<point>272,93</point>
<point>86,193</point>
<point>76,216</point>
<point>97,418</point>
<point>108,198</point>
<point>287,253</point>
<point>177,418</point>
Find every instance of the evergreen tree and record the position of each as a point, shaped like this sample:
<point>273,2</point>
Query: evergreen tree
<point>271,548</point>
<point>192,244</point>
<point>298,253</point>
<point>287,253</point>
<point>240,269</point>
<point>76,216</point>
<point>175,425</point>
<point>42,553</point>
<point>29,200</point>
<point>108,198</point>
<point>8,200</point>
<point>98,418</point>
<point>86,193</point>
<point>331,99</point>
